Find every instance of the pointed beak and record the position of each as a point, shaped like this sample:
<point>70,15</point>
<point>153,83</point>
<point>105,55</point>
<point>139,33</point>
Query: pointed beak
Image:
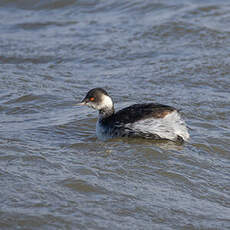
<point>81,103</point>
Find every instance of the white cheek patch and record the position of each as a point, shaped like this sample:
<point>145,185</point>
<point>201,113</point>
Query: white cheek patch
<point>91,105</point>
<point>106,102</point>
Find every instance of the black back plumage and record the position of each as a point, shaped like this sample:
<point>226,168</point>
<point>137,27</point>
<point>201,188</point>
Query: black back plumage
<point>138,112</point>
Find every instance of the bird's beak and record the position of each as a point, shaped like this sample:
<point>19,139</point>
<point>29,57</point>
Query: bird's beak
<point>81,103</point>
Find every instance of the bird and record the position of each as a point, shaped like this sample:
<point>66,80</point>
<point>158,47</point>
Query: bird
<point>148,120</point>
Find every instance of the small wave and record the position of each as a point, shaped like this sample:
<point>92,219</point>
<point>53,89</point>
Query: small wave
<point>42,25</point>
<point>23,60</point>
<point>83,186</point>
<point>24,98</point>
<point>38,4</point>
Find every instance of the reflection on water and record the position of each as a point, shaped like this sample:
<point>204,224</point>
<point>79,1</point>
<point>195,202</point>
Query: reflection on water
<point>54,172</point>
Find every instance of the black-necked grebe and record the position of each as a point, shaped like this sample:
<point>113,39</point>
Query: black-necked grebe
<point>151,120</point>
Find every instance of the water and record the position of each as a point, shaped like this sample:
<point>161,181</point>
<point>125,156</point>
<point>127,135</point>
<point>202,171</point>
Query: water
<point>54,172</point>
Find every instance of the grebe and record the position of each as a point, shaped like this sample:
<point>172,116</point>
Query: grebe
<point>149,120</point>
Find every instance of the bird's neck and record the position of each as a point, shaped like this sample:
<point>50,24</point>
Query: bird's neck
<point>106,112</point>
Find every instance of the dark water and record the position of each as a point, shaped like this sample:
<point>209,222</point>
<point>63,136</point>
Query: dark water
<point>54,173</point>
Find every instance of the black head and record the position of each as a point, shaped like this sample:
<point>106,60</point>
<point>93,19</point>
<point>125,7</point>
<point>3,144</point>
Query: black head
<point>98,99</point>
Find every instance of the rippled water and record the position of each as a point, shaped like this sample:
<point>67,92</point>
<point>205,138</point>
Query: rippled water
<point>54,173</point>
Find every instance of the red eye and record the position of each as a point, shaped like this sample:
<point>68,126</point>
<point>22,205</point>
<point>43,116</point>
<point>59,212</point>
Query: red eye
<point>92,99</point>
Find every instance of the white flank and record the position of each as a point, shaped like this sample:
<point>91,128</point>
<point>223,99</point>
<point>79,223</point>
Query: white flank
<point>168,127</point>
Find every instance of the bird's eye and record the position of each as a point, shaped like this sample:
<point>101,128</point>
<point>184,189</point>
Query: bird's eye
<point>92,99</point>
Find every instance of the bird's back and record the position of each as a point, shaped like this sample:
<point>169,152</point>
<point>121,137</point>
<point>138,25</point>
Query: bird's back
<point>138,112</point>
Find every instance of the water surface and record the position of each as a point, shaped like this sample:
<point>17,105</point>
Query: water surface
<point>54,172</point>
